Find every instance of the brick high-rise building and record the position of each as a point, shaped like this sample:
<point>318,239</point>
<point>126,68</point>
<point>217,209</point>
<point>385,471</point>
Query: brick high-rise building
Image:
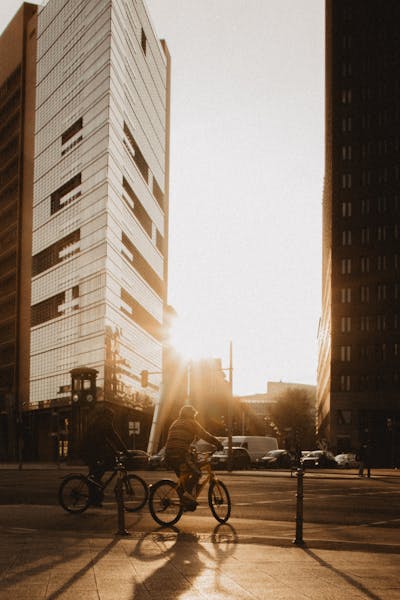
<point>359,336</point>
<point>100,208</point>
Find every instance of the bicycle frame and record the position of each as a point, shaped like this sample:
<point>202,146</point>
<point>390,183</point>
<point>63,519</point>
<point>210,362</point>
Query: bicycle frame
<point>207,475</point>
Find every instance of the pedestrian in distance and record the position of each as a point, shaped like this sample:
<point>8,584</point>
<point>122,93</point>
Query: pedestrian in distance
<point>182,433</point>
<point>364,458</point>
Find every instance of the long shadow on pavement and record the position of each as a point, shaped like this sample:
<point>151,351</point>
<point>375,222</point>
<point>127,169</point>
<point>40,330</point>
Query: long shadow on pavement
<point>184,559</point>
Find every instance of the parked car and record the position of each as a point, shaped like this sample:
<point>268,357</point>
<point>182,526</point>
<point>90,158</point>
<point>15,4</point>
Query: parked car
<point>319,459</point>
<point>157,460</point>
<point>257,446</point>
<point>137,459</point>
<point>240,459</point>
<point>347,460</point>
<point>277,459</point>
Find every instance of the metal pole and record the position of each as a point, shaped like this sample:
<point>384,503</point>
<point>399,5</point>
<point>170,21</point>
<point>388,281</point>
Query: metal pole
<point>299,509</point>
<point>230,409</point>
<point>120,507</point>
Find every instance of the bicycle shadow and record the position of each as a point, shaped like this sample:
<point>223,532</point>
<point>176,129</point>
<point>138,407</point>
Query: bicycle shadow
<point>187,565</point>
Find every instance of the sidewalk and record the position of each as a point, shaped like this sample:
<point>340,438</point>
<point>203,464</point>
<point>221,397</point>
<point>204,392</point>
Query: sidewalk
<point>50,555</point>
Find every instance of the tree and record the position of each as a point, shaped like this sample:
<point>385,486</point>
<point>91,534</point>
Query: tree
<point>293,418</point>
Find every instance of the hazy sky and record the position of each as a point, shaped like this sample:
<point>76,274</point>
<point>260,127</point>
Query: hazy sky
<point>246,181</point>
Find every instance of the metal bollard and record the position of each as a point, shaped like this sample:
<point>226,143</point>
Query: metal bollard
<point>299,509</point>
<point>120,507</point>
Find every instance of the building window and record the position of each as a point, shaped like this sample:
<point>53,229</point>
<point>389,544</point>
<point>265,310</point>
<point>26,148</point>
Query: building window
<point>365,323</point>
<point>346,181</point>
<point>345,353</point>
<point>345,295</point>
<point>157,193</point>
<point>381,291</point>
<point>66,194</point>
<point>346,209</point>
<point>47,309</point>
<point>364,293</point>
<point>132,254</point>
<point>136,154</point>
<point>346,266</point>
<point>365,206</point>
<point>345,324</point>
<point>143,41</point>
<point>346,237</point>
<point>136,207</point>
<point>365,264</point>
<point>56,253</point>
<point>381,322</point>
<point>365,235</point>
<point>382,263</point>
<point>71,131</point>
<point>345,383</point>
<point>381,233</point>
<point>140,315</point>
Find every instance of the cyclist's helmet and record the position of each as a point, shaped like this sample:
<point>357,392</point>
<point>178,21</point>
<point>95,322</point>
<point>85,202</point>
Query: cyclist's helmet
<point>188,412</point>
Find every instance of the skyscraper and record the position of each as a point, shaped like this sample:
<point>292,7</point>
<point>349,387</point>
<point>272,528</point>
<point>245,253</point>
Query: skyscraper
<point>100,204</point>
<point>17,106</point>
<point>359,336</point>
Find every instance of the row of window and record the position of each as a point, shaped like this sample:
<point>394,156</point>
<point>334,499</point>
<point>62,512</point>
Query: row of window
<point>382,291</point>
<point>348,352</point>
<point>367,235</point>
<point>66,194</point>
<point>141,215</point>
<point>378,176</point>
<point>56,306</point>
<point>140,315</point>
<point>368,264</point>
<point>380,322</point>
<point>138,158</point>
<point>56,253</point>
<point>140,264</point>
<point>352,383</point>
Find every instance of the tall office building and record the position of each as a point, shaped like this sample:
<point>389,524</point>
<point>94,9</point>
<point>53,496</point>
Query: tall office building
<point>359,337</point>
<point>100,206</point>
<point>17,105</point>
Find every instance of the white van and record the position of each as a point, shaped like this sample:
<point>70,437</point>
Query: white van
<point>256,445</point>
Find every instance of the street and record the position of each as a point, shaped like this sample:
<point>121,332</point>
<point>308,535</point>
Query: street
<point>350,545</point>
<point>330,497</point>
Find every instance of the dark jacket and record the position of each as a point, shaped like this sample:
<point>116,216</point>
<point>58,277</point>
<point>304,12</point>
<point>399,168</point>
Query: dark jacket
<point>182,433</point>
<point>101,442</point>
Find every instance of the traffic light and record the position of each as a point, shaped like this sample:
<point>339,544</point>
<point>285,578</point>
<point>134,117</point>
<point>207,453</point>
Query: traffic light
<point>144,378</point>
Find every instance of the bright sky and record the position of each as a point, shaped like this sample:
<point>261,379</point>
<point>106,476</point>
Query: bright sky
<point>246,181</point>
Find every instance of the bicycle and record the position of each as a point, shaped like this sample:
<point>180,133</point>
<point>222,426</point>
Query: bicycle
<point>77,491</point>
<point>165,498</point>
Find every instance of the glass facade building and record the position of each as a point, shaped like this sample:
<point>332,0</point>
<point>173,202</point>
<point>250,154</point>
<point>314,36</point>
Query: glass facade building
<point>100,210</point>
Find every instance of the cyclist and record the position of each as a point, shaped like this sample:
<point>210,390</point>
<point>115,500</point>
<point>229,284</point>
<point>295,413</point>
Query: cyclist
<point>182,433</point>
<point>100,447</point>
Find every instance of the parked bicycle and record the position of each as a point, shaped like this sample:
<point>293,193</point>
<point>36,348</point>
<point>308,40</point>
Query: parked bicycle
<point>77,491</point>
<point>165,500</point>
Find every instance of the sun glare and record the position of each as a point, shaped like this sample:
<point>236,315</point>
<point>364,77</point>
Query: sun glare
<point>188,341</point>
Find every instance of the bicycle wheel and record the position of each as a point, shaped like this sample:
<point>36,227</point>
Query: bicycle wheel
<point>219,501</point>
<point>74,493</point>
<point>164,502</point>
<point>134,492</point>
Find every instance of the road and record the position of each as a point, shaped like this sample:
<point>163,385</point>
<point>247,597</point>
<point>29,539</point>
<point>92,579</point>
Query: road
<point>260,499</point>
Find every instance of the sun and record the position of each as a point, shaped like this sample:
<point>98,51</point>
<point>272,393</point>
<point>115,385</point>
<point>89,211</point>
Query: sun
<point>187,339</point>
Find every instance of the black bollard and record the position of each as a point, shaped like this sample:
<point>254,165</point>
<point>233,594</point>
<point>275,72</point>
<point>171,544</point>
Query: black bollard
<point>120,507</point>
<point>299,509</point>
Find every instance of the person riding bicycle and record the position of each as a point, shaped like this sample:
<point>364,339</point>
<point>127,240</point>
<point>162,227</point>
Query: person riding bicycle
<point>100,447</point>
<point>181,434</point>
